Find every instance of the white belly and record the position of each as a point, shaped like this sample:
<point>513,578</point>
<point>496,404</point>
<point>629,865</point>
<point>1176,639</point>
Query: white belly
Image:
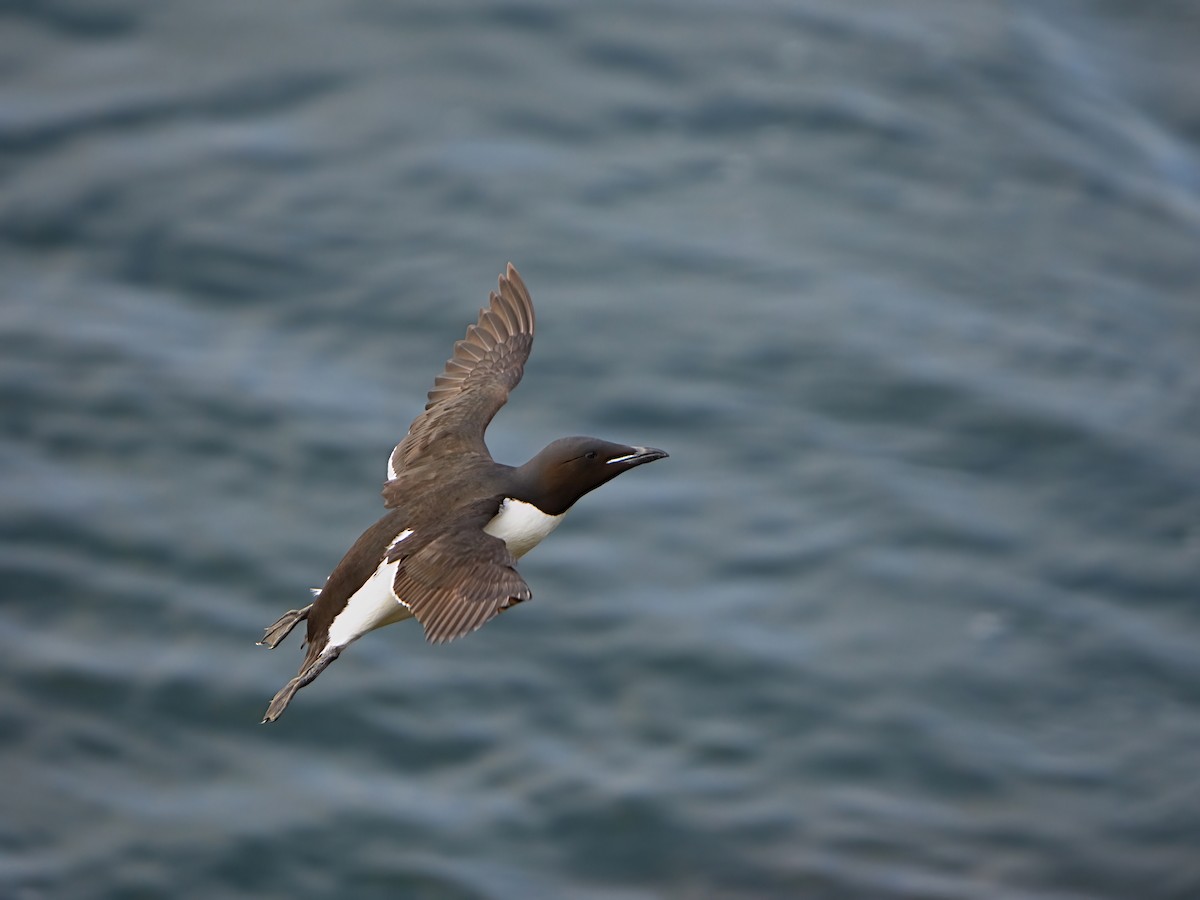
<point>372,606</point>
<point>521,525</point>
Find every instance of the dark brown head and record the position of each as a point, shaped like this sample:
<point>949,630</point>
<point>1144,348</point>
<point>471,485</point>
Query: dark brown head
<point>570,467</point>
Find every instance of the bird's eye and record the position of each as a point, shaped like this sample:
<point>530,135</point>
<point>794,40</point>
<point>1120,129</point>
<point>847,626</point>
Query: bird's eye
<point>591,454</point>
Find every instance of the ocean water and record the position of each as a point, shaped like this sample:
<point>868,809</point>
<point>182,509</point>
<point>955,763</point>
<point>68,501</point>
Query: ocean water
<point>911,293</point>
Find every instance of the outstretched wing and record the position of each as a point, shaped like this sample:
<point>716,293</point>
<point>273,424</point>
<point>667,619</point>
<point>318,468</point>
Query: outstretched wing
<point>487,364</point>
<point>460,578</point>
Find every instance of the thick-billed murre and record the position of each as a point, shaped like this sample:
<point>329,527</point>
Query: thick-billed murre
<point>446,551</point>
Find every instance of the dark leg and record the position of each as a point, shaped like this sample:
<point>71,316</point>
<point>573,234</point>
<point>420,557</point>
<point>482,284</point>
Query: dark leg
<point>284,626</point>
<point>310,671</point>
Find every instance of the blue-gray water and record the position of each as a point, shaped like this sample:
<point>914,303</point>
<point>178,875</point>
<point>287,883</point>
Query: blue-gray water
<point>911,292</point>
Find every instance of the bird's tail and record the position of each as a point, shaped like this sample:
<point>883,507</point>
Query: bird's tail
<point>282,628</point>
<point>313,666</point>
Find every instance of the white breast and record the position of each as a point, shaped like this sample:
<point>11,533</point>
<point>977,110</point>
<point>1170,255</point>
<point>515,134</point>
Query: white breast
<point>521,525</point>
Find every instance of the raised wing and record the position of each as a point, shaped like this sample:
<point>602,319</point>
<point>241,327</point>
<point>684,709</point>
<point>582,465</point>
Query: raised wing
<point>460,578</point>
<point>486,365</point>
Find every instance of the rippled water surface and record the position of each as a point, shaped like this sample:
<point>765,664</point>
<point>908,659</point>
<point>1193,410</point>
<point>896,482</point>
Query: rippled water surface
<point>910,293</point>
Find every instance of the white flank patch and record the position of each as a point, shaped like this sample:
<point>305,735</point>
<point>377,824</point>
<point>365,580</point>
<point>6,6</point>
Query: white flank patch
<point>521,525</point>
<point>406,533</point>
<point>372,606</point>
<point>392,473</point>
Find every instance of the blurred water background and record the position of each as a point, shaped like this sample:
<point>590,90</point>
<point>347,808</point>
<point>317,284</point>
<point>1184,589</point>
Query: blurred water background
<point>911,293</point>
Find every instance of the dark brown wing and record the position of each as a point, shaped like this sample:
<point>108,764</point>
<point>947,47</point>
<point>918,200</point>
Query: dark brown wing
<point>460,578</point>
<point>487,364</point>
